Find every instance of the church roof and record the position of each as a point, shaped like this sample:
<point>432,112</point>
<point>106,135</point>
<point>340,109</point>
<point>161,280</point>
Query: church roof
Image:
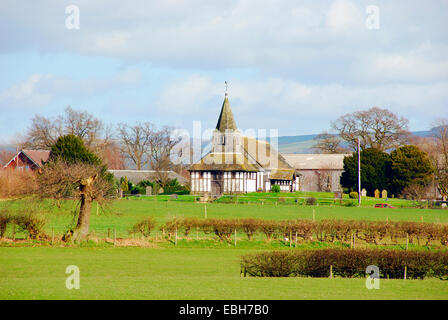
<point>226,120</point>
<point>225,162</point>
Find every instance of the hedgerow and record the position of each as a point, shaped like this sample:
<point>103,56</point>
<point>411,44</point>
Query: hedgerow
<point>347,263</point>
<point>374,232</point>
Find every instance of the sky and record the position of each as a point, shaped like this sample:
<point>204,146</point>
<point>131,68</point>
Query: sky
<point>294,66</point>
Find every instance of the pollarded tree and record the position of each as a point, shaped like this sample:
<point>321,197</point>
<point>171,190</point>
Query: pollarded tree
<point>73,171</point>
<point>409,166</point>
<point>375,167</point>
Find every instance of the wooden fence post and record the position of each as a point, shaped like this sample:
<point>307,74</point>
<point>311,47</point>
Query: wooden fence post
<point>405,271</point>
<point>205,211</point>
<point>115,236</point>
<point>314,215</point>
<point>295,243</point>
<point>13,232</point>
<point>235,238</point>
<point>407,240</point>
<point>176,238</point>
<point>52,235</point>
<point>331,271</point>
<point>290,239</point>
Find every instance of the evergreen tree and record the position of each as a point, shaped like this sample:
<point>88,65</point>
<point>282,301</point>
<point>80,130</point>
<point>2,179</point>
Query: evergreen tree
<point>375,168</point>
<point>409,166</point>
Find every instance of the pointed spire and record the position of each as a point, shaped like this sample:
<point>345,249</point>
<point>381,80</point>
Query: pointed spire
<point>226,120</point>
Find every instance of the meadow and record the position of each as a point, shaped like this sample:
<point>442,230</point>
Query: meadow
<point>177,273</point>
<point>193,269</point>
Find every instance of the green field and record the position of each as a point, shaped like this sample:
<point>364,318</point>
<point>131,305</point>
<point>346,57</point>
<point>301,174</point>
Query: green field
<point>206,269</point>
<point>122,214</point>
<point>157,273</point>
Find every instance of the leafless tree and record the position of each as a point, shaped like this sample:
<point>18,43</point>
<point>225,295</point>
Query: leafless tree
<point>161,144</point>
<point>85,182</point>
<point>378,128</point>
<point>439,156</point>
<point>136,142</point>
<point>328,143</point>
<point>44,132</point>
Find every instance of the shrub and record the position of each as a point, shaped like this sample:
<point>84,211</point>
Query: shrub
<point>275,188</point>
<point>347,263</point>
<point>353,195</point>
<point>249,227</point>
<point>144,227</point>
<point>311,201</point>
<point>30,223</point>
<point>4,221</point>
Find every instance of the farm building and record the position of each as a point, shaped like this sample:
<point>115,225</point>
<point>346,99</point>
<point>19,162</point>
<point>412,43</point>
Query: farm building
<point>239,164</point>
<point>28,160</point>
<point>317,172</point>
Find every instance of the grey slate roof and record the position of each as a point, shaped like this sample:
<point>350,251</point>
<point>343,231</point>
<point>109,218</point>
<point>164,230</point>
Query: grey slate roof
<point>316,161</point>
<point>135,176</point>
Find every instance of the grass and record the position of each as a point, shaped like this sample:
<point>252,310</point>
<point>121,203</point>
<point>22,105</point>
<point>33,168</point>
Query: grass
<point>181,273</point>
<point>122,214</point>
<point>205,269</point>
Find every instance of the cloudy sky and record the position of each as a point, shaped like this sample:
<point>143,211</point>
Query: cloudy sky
<point>291,65</point>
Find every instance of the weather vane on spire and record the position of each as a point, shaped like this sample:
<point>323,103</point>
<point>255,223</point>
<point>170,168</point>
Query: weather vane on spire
<point>226,87</point>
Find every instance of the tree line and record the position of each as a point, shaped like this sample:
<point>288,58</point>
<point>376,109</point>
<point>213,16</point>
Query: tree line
<point>141,145</point>
<point>391,157</point>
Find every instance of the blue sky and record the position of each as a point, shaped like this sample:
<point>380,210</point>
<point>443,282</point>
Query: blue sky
<point>292,65</point>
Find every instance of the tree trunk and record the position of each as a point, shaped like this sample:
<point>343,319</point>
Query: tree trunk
<point>81,230</point>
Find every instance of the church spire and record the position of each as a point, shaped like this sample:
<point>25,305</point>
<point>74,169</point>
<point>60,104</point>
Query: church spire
<point>226,120</point>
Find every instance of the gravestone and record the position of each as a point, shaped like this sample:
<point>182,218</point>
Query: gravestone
<point>377,193</point>
<point>148,190</point>
<point>364,193</point>
<point>384,194</point>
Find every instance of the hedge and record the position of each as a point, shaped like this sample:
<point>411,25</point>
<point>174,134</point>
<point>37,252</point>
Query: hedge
<point>322,230</point>
<point>347,263</point>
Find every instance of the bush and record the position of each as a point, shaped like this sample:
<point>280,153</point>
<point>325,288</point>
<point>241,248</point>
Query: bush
<point>353,195</point>
<point>347,263</point>
<point>30,223</point>
<point>275,188</point>
<point>311,201</point>
<point>144,227</point>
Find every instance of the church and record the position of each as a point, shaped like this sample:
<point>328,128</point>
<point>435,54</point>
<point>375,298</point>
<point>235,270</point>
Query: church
<point>239,164</point>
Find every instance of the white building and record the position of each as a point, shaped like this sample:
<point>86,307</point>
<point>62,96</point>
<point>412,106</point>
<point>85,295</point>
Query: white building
<point>239,164</point>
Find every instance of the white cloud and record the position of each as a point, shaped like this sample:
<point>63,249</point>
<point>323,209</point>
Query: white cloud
<point>39,90</point>
<point>295,107</point>
<point>328,37</point>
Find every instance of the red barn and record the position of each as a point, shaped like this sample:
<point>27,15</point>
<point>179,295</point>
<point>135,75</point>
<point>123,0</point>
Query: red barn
<point>28,160</point>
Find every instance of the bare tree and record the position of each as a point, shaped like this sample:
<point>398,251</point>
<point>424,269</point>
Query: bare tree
<point>378,128</point>
<point>440,156</point>
<point>85,182</point>
<point>83,125</point>
<point>43,133</point>
<point>328,143</point>
<point>136,142</point>
<point>161,144</point>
